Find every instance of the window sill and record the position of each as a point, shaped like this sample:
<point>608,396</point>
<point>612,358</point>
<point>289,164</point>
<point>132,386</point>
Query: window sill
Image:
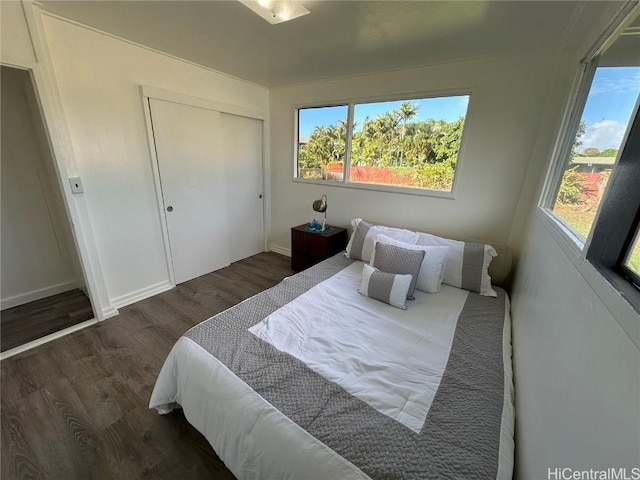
<point>620,298</point>
<point>421,192</point>
<point>568,240</point>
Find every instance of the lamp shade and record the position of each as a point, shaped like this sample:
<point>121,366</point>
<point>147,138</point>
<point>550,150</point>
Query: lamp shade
<point>320,205</point>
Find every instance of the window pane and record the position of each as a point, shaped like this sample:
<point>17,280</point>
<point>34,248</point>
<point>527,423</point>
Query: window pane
<point>633,257</point>
<point>607,113</point>
<point>410,143</point>
<point>322,140</point>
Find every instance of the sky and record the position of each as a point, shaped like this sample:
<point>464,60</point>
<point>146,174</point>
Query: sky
<point>609,106</point>
<point>440,108</point>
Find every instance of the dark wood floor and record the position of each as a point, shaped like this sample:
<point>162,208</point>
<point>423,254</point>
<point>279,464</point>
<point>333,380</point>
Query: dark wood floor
<point>77,408</point>
<point>37,319</point>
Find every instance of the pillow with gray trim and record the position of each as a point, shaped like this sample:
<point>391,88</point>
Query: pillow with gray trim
<point>386,287</point>
<point>467,264</point>
<point>433,264</point>
<point>360,246</point>
<point>397,260</point>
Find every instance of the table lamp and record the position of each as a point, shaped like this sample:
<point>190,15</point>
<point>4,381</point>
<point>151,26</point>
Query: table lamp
<point>321,206</point>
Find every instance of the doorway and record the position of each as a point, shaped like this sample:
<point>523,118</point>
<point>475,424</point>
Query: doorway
<point>211,179</point>
<point>43,289</point>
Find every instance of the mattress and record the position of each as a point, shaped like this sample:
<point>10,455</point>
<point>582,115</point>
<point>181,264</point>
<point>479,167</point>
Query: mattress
<point>312,380</point>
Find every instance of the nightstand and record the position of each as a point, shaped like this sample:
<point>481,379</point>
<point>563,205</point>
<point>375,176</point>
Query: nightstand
<point>309,248</point>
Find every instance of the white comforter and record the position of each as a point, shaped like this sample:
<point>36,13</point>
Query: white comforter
<point>393,361</point>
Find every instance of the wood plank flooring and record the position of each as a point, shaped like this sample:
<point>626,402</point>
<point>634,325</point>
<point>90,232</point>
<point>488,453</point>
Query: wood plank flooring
<point>77,408</point>
<point>39,318</point>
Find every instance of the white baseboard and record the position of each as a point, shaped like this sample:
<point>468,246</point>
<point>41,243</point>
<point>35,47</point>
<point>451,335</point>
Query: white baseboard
<point>41,341</point>
<point>27,297</point>
<point>280,250</point>
<point>109,312</point>
<point>133,297</point>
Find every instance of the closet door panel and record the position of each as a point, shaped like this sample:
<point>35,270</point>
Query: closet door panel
<point>242,153</point>
<point>192,175</point>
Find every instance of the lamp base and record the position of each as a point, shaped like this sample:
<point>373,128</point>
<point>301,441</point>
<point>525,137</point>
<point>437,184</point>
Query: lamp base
<point>317,228</point>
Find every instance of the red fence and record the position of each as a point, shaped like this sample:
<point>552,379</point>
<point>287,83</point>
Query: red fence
<point>368,174</point>
<point>593,185</point>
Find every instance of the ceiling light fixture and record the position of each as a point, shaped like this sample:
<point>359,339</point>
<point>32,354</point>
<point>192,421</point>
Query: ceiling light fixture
<point>276,11</point>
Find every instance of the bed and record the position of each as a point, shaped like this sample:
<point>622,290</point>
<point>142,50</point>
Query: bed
<point>312,380</point>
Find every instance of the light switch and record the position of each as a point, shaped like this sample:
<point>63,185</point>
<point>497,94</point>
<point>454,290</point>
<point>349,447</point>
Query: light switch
<point>76,185</point>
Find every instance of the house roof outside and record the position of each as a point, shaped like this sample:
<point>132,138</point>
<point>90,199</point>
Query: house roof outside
<point>595,161</point>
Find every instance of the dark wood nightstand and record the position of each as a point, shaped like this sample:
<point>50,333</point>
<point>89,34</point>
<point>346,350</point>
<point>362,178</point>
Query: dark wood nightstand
<point>309,248</point>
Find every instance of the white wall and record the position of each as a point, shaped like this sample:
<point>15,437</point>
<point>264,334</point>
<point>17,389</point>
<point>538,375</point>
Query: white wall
<point>577,372</point>
<point>36,249</point>
<point>15,43</point>
<point>98,77</point>
<point>501,129</point>
<point>24,46</point>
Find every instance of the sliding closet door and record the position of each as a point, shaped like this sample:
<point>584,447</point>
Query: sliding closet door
<point>188,149</point>
<point>242,153</point>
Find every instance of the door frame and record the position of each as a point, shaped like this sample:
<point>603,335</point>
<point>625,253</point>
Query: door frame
<point>147,93</point>
<point>59,143</point>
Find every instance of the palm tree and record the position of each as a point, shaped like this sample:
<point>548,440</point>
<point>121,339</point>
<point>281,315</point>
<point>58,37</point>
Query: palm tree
<point>405,112</point>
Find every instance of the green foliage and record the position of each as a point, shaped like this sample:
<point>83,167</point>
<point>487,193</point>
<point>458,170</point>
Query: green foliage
<point>326,145</point>
<point>591,152</point>
<point>426,151</point>
<point>434,176</point>
<point>582,128</point>
<point>447,148</point>
<point>571,187</point>
<point>609,152</point>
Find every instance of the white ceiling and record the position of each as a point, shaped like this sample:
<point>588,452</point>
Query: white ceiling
<point>339,38</point>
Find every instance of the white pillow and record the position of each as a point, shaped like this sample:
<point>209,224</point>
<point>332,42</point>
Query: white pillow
<point>360,246</point>
<point>433,264</point>
<point>467,264</point>
<point>387,287</point>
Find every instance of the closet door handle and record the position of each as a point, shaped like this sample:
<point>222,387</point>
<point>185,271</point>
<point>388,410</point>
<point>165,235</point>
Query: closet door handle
<point>169,208</point>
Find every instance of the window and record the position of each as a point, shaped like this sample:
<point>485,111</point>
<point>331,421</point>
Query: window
<point>604,121</point>
<point>632,260</point>
<point>614,241</point>
<point>401,143</point>
<point>593,188</point>
<point>322,143</point>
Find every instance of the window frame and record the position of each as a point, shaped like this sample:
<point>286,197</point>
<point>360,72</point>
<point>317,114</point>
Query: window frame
<point>564,144</point>
<point>616,224</point>
<point>296,141</point>
<point>571,119</point>
<point>598,262</point>
<point>632,276</point>
<point>351,104</point>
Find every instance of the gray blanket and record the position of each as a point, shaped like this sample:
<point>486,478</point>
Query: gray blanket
<point>461,435</point>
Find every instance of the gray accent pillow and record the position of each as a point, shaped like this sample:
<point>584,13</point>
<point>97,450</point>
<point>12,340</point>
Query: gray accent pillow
<point>386,287</point>
<point>398,260</point>
<point>432,269</point>
<point>355,247</point>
